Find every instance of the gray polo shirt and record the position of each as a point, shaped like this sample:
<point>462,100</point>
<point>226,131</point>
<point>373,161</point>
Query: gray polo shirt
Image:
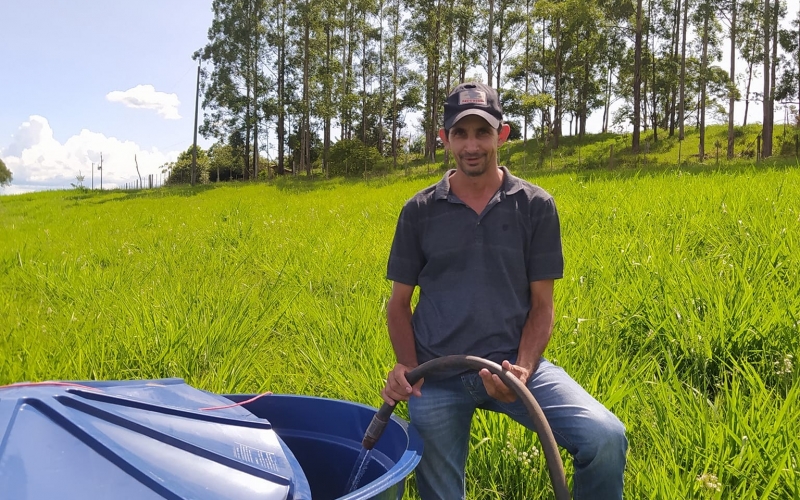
<point>474,271</point>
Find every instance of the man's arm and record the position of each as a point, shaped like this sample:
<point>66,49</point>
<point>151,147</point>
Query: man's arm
<point>536,333</point>
<point>401,334</point>
<point>538,326</point>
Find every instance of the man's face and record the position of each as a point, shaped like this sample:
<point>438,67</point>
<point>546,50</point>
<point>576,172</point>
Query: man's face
<point>474,145</point>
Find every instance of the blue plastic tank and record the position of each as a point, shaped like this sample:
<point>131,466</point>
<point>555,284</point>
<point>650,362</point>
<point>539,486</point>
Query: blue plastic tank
<point>325,436</point>
<point>154,439</point>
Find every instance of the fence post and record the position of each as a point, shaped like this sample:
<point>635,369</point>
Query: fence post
<point>758,149</point>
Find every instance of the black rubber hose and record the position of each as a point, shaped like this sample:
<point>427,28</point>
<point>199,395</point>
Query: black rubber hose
<point>455,363</point>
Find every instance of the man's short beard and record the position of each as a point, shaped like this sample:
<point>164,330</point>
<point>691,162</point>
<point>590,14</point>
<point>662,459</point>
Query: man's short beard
<point>476,171</point>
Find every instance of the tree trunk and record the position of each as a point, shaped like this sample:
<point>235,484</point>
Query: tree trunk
<point>607,106</point>
<point>701,152</point>
<point>653,93</point>
<point>584,97</point>
<point>750,62</point>
<point>255,102</point>
<point>645,120</point>
<point>490,44</point>
<point>281,60</point>
<point>364,85</point>
<point>732,100</point>
<point>766,139</point>
<point>773,69</point>
<point>682,98</point>
<point>637,78</point>
<point>527,73</point>
<point>247,126</point>
<point>500,42</point>
<point>380,78</point>
<point>305,136</point>
<point>448,81</point>
<point>395,71</point>
<point>676,37</point>
<point>557,118</point>
<point>326,132</point>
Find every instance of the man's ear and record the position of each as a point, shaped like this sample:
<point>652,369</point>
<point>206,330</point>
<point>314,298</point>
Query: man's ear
<point>505,130</point>
<point>443,137</point>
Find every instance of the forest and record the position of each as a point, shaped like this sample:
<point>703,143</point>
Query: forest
<point>326,83</point>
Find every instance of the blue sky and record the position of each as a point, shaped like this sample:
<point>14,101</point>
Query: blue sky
<point>85,76</point>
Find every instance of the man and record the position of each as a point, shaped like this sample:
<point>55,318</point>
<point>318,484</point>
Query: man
<point>484,247</point>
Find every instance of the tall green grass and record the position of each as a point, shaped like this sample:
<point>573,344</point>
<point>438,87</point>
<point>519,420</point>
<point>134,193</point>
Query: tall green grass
<point>679,309</point>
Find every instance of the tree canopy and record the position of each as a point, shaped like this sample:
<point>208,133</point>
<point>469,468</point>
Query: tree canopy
<point>297,77</point>
<point>5,174</point>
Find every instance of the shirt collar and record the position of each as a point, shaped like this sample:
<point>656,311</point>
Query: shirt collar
<point>511,184</point>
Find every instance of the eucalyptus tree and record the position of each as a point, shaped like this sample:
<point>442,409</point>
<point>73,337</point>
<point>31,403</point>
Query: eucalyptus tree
<point>381,11</point>
<point>673,65</point>
<point>729,13</point>
<point>347,99</point>
<point>682,98</point>
<point>308,55</point>
<point>750,44</point>
<point>788,89</point>
<point>522,67</point>
<point>552,13</point>
<point>707,26</point>
<point>277,40</point>
<point>637,76</point>
<point>397,61</point>
<point>767,109</point>
<point>772,14</point>
<point>502,34</point>
<point>464,36</point>
<point>368,35</point>
<point>662,62</point>
<point>425,25</point>
<point>325,73</point>
<point>589,20</point>
<point>230,95</point>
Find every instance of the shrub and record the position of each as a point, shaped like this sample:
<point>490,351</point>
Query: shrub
<point>350,157</point>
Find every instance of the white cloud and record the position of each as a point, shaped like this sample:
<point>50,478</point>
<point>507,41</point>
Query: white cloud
<point>38,161</point>
<point>147,97</point>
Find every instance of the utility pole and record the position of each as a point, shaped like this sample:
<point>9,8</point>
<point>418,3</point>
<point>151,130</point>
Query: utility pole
<point>196,105</point>
<point>93,176</point>
<point>100,168</point>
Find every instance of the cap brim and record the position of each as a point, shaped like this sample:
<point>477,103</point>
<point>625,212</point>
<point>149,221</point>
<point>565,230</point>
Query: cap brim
<point>492,120</point>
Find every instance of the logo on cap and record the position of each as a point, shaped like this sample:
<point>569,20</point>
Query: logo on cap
<point>472,97</point>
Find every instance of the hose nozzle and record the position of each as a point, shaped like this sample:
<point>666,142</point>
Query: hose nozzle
<point>377,426</point>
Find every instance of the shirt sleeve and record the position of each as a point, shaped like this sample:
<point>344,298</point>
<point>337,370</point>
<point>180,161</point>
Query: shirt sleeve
<point>545,259</point>
<point>406,258</point>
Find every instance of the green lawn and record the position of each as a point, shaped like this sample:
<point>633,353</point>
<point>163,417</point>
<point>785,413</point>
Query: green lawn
<point>679,309</point>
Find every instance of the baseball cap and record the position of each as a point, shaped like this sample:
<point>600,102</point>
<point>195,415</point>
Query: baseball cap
<point>473,98</point>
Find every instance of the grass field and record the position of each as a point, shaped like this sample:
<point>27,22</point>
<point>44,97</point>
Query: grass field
<point>679,309</point>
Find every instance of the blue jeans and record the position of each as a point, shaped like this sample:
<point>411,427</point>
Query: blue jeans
<point>591,434</point>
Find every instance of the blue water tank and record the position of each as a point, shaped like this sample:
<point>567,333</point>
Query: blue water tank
<point>150,439</point>
<point>325,436</point>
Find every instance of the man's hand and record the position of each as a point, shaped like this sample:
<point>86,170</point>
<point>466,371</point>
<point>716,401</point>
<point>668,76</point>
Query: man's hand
<point>397,387</point>
<point>497,389</point>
